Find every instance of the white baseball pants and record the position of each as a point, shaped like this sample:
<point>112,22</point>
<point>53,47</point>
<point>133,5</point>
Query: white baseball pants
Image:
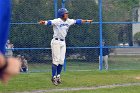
<point>58,51</point>
<point>105,60</point>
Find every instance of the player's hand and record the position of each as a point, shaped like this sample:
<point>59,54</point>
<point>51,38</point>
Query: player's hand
<point>89,21</point>
<point>12,69</point>
<point>41,22</point>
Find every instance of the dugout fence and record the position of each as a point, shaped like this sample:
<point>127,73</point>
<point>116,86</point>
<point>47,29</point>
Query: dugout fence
<point>114,22</point>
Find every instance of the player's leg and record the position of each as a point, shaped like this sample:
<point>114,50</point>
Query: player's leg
<point>56,57</point>
<point>59,69</point>
<point>106,62</point>
<point>62,58</point>
<point>55,46</point>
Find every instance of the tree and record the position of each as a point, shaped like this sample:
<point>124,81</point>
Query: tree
<point>137,38</point>
<point>85,35</point>
<point>31,36</point>
<point>31,11</point>
<point>118,11</point>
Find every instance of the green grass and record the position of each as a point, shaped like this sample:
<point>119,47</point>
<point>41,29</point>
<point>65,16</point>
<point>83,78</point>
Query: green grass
<point>41,81</point>
<point>124,62</point>
<point>38,81</point>
<point>115,63</point>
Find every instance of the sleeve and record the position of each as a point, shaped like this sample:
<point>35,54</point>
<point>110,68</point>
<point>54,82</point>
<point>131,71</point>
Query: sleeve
<point>72,21</point>
<point>5,15</point>
<point>77,21</point>
<point>51,22</point>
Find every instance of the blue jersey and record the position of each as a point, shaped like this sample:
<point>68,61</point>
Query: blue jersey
<point>5,12</point>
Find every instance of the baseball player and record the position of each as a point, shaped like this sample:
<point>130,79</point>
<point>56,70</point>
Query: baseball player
<point>60,28</point>
<point>24,64</point>
<point>105,55</point>
<point>9,51</point>
<point>8,66</point>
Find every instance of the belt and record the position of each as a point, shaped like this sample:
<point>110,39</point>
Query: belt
<point>59,39</point>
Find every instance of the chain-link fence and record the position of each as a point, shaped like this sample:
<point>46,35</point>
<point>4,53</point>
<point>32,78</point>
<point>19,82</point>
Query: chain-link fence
<point>83,41</point>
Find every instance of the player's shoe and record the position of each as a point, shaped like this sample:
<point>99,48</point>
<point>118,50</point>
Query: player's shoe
<point>59,79</point>
<point>54,81</point>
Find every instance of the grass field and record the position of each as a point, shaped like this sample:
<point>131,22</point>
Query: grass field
<point>122,70</point>
<point>41,81</point>
<point>115,63</point>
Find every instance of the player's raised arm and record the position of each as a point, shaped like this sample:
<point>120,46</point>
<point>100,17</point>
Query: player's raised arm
<point>84,21</point>
<point>48,23</point>
<point>80,21</point>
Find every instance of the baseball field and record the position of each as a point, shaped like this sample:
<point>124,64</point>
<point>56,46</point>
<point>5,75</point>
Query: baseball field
<point>77,82</point>
<point>109,25</point>
<point>83,81</point>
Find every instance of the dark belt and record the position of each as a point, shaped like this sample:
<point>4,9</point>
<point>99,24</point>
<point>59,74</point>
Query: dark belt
<point>59,39</point>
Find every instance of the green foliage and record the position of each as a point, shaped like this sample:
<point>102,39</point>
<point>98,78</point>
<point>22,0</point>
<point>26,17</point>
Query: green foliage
<point>128,4</point>
<point>29,36</point>
<point>40,36</point>
<point>137,38</point>
<point>85,35</point>
<point>118,11</point>
<point>31,11</point>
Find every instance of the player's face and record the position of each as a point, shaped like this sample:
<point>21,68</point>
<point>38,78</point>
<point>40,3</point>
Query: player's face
<point>66,15</point>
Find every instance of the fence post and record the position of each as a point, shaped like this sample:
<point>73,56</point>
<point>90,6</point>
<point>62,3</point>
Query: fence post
<point>101,46</point>
<point>65,65</point>
<point>63,3</point>
<point>63,6</point>
<point>55,8</point>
